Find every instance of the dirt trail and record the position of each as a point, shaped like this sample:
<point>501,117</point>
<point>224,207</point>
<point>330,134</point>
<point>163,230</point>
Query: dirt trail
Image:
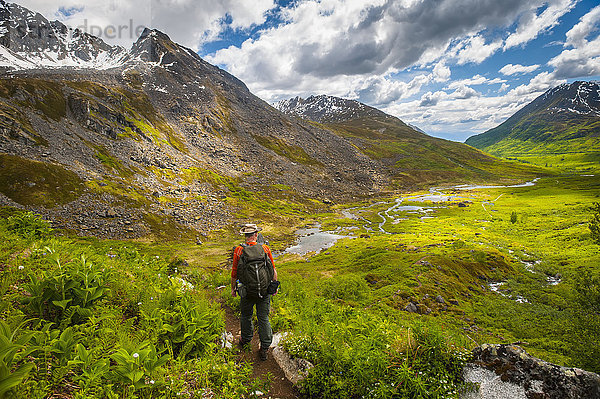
<point>281,387</point>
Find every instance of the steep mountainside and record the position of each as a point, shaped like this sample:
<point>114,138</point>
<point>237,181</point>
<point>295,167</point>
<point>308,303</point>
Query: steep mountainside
<point>121,142</point>
<point>565,119</point>
<point>412,157</point>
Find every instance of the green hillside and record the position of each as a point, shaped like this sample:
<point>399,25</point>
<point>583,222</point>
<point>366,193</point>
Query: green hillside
<point>417,160</point>
<point>561,129</point>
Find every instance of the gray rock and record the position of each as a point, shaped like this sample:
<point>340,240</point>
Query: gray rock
<point>295,370</point>
<point>440,299</point>
<point>537,378</point>
<point>411,307</point>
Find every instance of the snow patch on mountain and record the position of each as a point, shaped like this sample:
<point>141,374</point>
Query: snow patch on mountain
<point>323,108</point>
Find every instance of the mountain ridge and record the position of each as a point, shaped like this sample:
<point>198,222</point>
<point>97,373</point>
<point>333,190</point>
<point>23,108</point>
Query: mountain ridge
<point>563,114</point>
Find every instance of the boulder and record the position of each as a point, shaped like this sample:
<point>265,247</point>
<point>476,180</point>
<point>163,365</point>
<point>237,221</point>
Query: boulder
<point>535,377</point>
<point>411,307</point>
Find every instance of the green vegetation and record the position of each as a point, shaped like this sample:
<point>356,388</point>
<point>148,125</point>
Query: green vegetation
<point>89,318</point>
<point>106,319</point>
<point>420,160</point>
<point>42,95</point>
<point>37,183</point>
<point>111,162</point>
<point>14,121</point>
<point>280,147</point>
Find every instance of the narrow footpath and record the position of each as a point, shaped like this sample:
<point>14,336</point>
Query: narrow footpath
<point>280,387</point>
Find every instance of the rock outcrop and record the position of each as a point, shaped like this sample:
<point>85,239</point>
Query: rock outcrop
<point>526,376</point>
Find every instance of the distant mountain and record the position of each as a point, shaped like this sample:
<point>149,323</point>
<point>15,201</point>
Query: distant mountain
<point>565,119</point>
<point>327,109</point>
<point>412,157</point>
<point>28,40</point>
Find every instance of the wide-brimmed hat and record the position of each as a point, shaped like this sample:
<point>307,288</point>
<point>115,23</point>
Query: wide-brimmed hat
<point>249,228</point>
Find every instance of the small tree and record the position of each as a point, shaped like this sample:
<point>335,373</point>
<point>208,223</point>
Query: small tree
<point>595,222</point>
<point>513,217</point>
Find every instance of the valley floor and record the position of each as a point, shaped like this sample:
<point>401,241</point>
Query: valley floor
<point>393,307</point>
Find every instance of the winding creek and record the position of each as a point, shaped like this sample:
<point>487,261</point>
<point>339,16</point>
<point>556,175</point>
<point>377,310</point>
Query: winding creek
<point>314,240</point>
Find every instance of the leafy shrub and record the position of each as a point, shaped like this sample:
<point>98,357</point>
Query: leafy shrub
<point>187,327</point>
<point>67,292</point>
<point>513,217</point>
<point>28,225</point>
<point>13,349</point>
<point>361,356</point>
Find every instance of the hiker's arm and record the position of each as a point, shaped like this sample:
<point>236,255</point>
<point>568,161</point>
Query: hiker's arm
<point>273,263</point>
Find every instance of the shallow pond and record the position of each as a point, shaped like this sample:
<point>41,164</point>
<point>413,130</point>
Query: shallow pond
<point>313,240</point>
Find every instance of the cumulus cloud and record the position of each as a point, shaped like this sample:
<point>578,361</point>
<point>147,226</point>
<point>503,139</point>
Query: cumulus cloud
<point>577,35</point>
<point>189,22</point>
<point>463,92</point>
<point>510,69</point>
<point>441,73</point>
<point>430,99</point>
<point>475,80</point>
<point>582,58</point>
<point>333,38</point>
<point>476,50</point>
<point>531,24</point>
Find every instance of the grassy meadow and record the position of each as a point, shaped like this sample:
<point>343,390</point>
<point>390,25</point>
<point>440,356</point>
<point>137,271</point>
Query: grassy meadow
<point>83,317</point>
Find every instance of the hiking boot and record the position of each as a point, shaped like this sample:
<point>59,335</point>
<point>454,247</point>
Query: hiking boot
<point>263,353</point>
<point>243,344</point>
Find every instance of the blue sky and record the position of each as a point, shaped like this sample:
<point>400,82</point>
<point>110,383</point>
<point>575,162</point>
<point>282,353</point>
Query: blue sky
<point>452,67</point>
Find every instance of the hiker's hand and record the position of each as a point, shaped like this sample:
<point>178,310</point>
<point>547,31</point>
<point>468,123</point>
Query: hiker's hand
<point>233,292</point>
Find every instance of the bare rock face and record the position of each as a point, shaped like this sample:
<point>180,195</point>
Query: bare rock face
<point>295,370</point>
<point>516,371</point>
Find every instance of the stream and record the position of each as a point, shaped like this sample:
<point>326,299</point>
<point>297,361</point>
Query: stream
<point>313,239</point>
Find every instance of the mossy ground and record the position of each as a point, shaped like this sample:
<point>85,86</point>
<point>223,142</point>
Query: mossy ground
<point>37,183</point>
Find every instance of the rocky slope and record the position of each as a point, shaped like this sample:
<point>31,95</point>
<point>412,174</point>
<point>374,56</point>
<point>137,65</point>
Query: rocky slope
<point>562,120</point>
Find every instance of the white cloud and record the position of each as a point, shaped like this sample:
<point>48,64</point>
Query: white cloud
<point>352,38</point>
<point>430,99</point>
<point>463,92</point>
<point>189,22</point>
<point>510,69</point>
<point>475,80</point>
<point>441,73</point>
<point>583,59</point>
<point>587,24</point>
<point>504,87</point>
<point>579,62</point>
<point>531,24</point>
<point>476,50</point>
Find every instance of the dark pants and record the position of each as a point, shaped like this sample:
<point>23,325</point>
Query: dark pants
<point>263,305</point>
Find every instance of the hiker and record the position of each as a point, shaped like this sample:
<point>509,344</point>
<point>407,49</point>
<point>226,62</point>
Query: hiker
<point>254,277</point>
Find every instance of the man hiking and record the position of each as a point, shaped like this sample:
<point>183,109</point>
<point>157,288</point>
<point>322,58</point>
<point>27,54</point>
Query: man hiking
<point>251,276</point>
